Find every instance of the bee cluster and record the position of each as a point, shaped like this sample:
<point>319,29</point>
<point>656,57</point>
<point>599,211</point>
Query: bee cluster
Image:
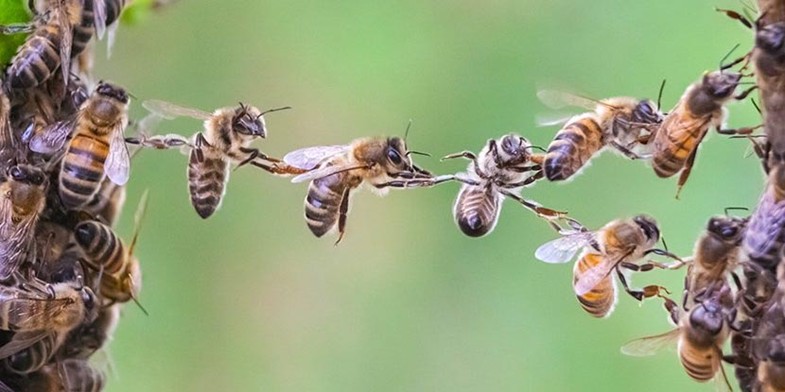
<point>64,161</point>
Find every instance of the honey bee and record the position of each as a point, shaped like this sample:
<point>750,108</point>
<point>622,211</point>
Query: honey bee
<point>96,16</point>
<point>22,198</point>
<point>715,256</point>
<point>227,137</point>
<point>623,123</point>
<point>619,244</point>
<point>764,238</point>
<point>702,106</point>
<point>700,335</point>
<point>48,47</point>
<point>107,203</point>
<point>335,171</point>
<point>97,148</point>
<point>85,340</point>
<point>500,170</point>
<point>771,370</point>
<point>41,311</point>
<point>121,274</point>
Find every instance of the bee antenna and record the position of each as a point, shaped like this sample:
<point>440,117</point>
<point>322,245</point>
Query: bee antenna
<point>664,244</point>
<point>735,209</point>
<point>406,133</point>
<point>659,96</point>
<point>533,147</point>
<point>130,94</point>
<point>412,152</point>
<point>274,110</point>
<point>139,304</point>
<point>756,105</point>
<point>726,57</point>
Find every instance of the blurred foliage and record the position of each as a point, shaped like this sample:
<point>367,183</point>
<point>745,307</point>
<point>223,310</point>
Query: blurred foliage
<point>250,300</point>
<point>12,11</point>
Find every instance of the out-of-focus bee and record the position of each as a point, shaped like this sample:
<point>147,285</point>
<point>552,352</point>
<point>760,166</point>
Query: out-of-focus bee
<point>702,106</point>
<point>700,335</point>
<point>771,370</point>
<point>22,198</point>
<point>96,17</point>
<point>97,148</point>
<point>72,375</point>
<point>121,274</point>
<point>715,256</point>
<point>48,47</point>
<point>502,169</point>
<point>617,245</point>
<point>766,229</point>
<point>624,123</point>
<point>335,171</point>
<point>227,137</point>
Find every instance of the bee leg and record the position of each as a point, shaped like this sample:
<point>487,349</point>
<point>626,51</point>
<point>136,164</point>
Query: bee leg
<point>685,172</point>
<point>524,169</point>
<point>744,93</point>
<point>470,156</point>
<point>672,308</point>
<point>541,211</point>
<point>16,28</point>
<point>735,15</point>
<point>529,180</point>
<point>624,150</point>
<point>638,295</point>
<point>417,182</point>
<point>342,211</point>
<point>278,168</point>
<point>738,131</point>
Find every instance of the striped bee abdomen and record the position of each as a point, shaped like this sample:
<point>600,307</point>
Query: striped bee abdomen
<point>83,31</point>
<point>672,149</point>
<point>207,182</point>
<point>33,357</point>
<point>700,364</point>
<point>36,59</point>
<point>476,210</point>
<point>323,201</point>
<point>601,299</point>
<point>82,169</point>
<point>101,246</point>
<point>572,147</point>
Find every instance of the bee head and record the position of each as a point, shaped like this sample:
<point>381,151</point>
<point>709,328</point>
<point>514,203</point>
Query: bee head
<point>514,149</point>
<point>771,37</point>
<point>707,317</point>
<point>775,350</point>
<point>248,121</point>
<point>720,85</point>
<point>646,112</point>
<point>726,228</point>
<point>112,91</point>
<point>26,174</point>
<point>397,154</point>
<point>649,227</point>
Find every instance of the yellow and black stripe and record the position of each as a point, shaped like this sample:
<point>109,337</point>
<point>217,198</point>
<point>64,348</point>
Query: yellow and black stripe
<point>572,147</point>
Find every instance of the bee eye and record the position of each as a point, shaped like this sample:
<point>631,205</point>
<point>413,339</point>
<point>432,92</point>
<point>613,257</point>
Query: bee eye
<point>16,173</point>
<point>729,231</point>
<point>394,157</point>
<point>88,298</point>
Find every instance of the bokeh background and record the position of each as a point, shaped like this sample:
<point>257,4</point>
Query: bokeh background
<point>249,300</point>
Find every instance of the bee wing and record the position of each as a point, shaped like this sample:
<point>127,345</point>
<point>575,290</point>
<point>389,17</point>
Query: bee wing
<point>589,279</point>
<point>650,345</point>
<point>554,119</point>
<point>21,341</point>
<point>5,388</point>
<point>310,157</point>
<point>66,39</point>
<point>99,17</point>
<point>170,110</point>
<point>324,172</point>
<point>563,249</point>
<point>118,163</point>
<point>556,99</point>
<point>51,138</point>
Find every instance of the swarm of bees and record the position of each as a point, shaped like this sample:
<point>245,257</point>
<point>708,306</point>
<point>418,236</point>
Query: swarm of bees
<point>64,162</point>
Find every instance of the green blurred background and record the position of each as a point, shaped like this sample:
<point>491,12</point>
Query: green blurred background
<point>249,300</point>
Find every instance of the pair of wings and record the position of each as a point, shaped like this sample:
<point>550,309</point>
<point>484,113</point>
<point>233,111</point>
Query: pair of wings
<point>118,163</point>
<point>563,249</point>
<point>313,159</point>
<point>556,99</point>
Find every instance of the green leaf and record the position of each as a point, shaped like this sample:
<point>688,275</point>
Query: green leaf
<point>12,11</point>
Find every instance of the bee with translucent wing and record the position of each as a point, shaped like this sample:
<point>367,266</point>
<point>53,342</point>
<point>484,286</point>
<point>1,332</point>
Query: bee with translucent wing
<point>227,137</point>
<point>617,245</point>
<point>335,171</point>
<point>699,338</point>
<point>624,123</point>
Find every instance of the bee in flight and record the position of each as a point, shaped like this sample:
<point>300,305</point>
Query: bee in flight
<point>502,169</point>
<point>335,171</point>
<point>624,123</point>
<point>96,149</point>
<point>617,246</point>
<point>699,336</point>
<point>227,137</point>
